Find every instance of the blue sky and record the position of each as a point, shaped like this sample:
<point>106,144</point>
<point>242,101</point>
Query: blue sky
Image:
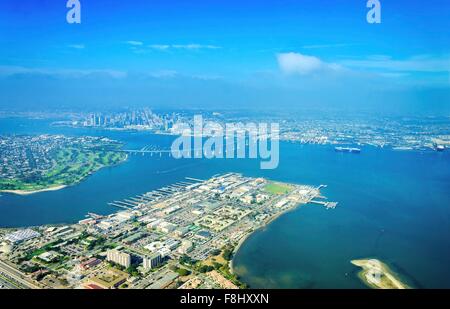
<point>226,54</point>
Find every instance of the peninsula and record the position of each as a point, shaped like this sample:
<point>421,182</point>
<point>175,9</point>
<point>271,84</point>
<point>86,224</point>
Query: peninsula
<point>32,164</point>
<point>182,236</point>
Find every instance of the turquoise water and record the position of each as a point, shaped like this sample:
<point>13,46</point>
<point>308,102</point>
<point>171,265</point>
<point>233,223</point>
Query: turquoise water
<point>394,206</point>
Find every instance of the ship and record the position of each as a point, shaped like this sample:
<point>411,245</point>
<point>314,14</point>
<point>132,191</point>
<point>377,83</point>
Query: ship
<point>347,149</point>
<point>440,148</point>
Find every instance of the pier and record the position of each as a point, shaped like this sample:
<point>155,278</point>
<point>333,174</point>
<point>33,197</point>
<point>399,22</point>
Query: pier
<point>328,205</point>
<point>121,204</point>
<point>195,179</point>
<point>143,200</point>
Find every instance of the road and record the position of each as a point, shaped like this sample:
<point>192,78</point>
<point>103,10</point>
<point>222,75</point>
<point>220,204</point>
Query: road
<point>19,279</point>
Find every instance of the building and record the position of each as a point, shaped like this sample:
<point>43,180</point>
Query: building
<point>92,262</point>
<point>125,216</point>
<point>118,257</point>
<point>203,235</point>
<point>171,244</point>
<point>49,256</point>
<point>152,261</point>
<point>21,235</point>
<point>108,279</point>
<point>166,227</point>
<point>186,247</point>
<point>247,199</point>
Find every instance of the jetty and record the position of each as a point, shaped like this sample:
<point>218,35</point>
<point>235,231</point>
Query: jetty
<point>327,205</point>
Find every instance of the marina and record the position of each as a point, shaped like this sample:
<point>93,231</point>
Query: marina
<point>150,197</point>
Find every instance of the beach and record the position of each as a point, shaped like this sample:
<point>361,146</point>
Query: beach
<point>266,223</point>
<point>377,274</point>
<point>24,192</point>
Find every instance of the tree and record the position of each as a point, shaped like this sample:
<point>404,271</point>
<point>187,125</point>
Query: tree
<point>227,254</point>
<point>132,270</point>
<point>215,252</point>
<point>186,260</point>
<point>205,268</point>
<point>183,272</point>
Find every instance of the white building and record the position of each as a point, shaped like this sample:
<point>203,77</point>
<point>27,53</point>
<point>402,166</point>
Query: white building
<point>21,235</point>
<point>171,244</point>
<point>118,257</point>
<point>166,227</point>
<point>186,247</point>
<point>152,261</point>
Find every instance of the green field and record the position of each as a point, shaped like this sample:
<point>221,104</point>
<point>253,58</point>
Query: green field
<point>71,165</point>
<point>277,188</point>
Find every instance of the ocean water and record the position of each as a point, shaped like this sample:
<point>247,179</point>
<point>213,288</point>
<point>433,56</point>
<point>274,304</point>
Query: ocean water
<point>393,205</point>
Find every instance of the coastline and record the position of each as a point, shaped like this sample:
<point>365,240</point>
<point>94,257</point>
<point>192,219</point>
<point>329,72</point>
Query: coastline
<point>24,192</point>
<point>246,236</point>
<point>388,278</point>
<point>59,187</point>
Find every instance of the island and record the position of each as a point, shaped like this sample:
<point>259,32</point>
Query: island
<point>181,236</point>
<point>377,275</point>
<point>32,164</point>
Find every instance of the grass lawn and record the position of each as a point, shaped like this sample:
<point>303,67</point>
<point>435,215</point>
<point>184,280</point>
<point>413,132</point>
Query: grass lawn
<point>71,166</point>
<point>277,188</point>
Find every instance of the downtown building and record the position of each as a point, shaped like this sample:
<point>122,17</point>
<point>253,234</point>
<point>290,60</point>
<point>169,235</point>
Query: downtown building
<point>121,258</point>
<point>152,261</point>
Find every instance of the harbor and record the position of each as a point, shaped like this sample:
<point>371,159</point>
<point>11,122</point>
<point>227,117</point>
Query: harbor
<point>139,201</point>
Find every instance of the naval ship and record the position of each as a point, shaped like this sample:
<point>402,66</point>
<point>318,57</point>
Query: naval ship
<point>347,149</point>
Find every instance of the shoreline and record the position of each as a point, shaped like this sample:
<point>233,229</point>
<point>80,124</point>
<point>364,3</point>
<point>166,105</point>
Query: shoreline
<point>246,236</point>
<point>59,187</point>
<point>370,267</point>
<point>25,193</point>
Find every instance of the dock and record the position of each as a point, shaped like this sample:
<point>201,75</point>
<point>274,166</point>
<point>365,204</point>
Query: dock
<point>145,199</point>
<point>195,179</point>
<point>328,205</point>
<point>116,204</point>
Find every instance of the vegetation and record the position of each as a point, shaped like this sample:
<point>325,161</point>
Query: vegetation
<point>221,264</point>
<point>215,252</point>
<point>204,268</point>
<point>188,261</point>
<point>30,268</point>
<point>277,188</point>
<point>70,166</point>
<point>31,254</point>
<point>227,254</point>
<point>133,271</point>
<point>181,271</point>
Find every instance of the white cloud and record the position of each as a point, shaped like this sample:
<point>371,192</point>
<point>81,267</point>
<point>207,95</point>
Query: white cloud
<point>296,63</point>
<point>135,43</point>
<point>77,46</point>
<point>418,63</point>
<point>6,71</point>
<point>206,77</point>
<point>183,46</point>
<point>195,46</point>
<point>164,74</point>
<point>320,46</point>
<point>159,46</point>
